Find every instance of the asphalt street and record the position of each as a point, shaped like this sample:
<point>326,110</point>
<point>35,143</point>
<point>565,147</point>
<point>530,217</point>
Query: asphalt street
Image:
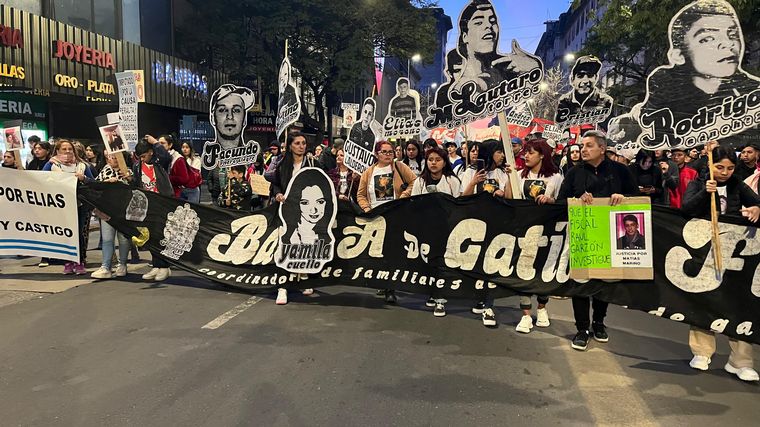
<point>188,352</point>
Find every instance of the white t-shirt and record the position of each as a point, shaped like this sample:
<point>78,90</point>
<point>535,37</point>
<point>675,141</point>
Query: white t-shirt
<point>448,184</point>
<point>533,186</point>
<point>414,166</point>
<point>380,187</point>
<point>496,179</point>
<point>723,197</point>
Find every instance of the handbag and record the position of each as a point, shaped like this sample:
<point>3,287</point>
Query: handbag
<point>404,184</point>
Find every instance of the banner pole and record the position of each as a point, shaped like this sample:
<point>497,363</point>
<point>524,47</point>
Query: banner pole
<point>17,159</point>
<point>514,180</point>
<point>714,220</point>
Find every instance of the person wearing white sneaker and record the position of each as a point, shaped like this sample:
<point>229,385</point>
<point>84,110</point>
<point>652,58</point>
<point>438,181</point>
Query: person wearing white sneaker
<point>740,362</point>
<point>282,296</point>
<point>121,270</point>
<point>101,273</point>
<point>542,315</point>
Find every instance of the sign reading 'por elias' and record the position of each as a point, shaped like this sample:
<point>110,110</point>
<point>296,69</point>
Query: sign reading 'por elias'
<point>228,113</point>
<point>703,93</point>
<point>289,101</point>
<point>481,81</point>
<point>586,103</point>
<point>403,119</point>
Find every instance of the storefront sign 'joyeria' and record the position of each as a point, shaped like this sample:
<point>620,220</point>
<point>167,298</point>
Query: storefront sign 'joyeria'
<point>85,55</point>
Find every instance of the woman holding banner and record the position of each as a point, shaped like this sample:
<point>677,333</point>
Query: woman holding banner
<point>345,180</point>
<point>41,152</point>
<point>111,173</point>
<point>732,194</point>
<point>437,177</point>
<point>382,182</point>
<point>67,160</point>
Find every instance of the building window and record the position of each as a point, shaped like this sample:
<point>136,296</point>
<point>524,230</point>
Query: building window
<point>98,16</point>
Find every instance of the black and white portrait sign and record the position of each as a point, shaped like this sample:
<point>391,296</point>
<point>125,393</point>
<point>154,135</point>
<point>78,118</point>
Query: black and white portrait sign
<point>306,240</point>
<point>482,81</point>
<point>228,112</point>
<point>179,232</point>
<point>703,93</point>
<point>289,100</point>
<point>586,103</point>
<point>359,147</point>
<point>403,119</point>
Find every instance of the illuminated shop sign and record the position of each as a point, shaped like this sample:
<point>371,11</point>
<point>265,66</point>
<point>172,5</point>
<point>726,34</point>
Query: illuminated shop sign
<point>181,77</point>
<point>11,37</point>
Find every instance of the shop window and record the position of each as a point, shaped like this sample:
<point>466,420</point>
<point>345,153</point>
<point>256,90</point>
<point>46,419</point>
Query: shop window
<point>98,16</point>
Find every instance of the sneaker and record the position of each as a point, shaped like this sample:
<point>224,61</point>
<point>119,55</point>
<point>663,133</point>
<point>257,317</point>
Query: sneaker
<point>542,318</point>
<point>439,310</point>
<point>151,275</point>
<point>390,297</point>
<point>68,268</point>
<point>101,273</point>
<point>580,341</point>
<point>163,274</point>
<point>380,292</point>
<point>430,302</point>
<point>42,264</point>
<point>600,332</point>
<point>282,296</point>
<point>79,269</point>
<point>525,325</point>
<point>121,270</point>
<point>479,308</point>
<point>489,317</point>
<point>744,374</point>
<point>701,362</point>
<point>308,291</point>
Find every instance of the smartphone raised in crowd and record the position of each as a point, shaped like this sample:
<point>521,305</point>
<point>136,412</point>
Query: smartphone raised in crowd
<point>481,164</point>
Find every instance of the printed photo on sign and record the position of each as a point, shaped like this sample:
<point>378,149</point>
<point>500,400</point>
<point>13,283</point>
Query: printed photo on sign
<point>228,113</point>
<point>289,100</point>
<point>306,241</point>
<point>363,132</point>
<point>403,119</point>
<point>179,233</point>
<point>349,114</point>
<point>703,93</point>
<point>137,209</point>
<point>631,239</point>
<point>383,187</point>
<point>112,139</point>
<point>481,80</point>
<point>13,139</point>
<point>586,103</point>
<point>532,188</point>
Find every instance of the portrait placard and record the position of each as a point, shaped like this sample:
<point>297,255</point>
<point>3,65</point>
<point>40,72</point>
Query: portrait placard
<point>228,113</point>
<point>586,102</point>
<point>289,100</point>
<point>403,119</point>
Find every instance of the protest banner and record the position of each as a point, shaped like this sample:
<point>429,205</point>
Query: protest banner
<point>403,119</point>
<point>359,148</point>
<point>586,102</point>
<point>476,244</point>
<point>306,240</point>
<point>482,82</point>
<point>38,214</point>
<point>349,114</point>
<point>703,93</point>
<point>139,84</point>
<point>127,110</point>
<point>12,135</point>
<point>289,100</point>
<point>228,114</point>
<point>610,242</point>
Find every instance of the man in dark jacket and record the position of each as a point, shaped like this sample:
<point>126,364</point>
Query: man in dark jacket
<point>151,174</point>
<point>597,176</point>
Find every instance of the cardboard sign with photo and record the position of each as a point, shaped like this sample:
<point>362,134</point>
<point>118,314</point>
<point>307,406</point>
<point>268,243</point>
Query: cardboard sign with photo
<point>586,102</point>
<point>112,138</point>
<point>703,93</point>
<point>482,81</point>
<point>359,147</point>
<point>12,135</point>
<point>624,131</point>
<point>403,119</point>
<point>289,100</point>
<point>349,114</point>
<point>306,241</point>
<point>228,113</point>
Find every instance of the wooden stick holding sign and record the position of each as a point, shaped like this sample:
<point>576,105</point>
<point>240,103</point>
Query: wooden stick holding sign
<point>714,217</point>
<point>514,179</point>
<point>17,159</point>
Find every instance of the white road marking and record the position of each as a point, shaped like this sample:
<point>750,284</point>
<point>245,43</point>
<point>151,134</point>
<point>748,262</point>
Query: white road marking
<point>226,317</point>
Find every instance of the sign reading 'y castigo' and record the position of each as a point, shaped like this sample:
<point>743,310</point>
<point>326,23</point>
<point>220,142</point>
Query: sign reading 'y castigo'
<point>38,214</point>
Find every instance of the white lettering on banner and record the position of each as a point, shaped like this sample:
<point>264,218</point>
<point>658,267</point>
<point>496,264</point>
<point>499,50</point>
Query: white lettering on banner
<point>414,249</point>
<point>697,233</point>
<point>246,247</point>
<point>128,108</point>
<point>38,222</point>
<point>357,239</point>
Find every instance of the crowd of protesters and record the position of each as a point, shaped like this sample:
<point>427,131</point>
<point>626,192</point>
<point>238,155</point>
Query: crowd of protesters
<point>585,169</point>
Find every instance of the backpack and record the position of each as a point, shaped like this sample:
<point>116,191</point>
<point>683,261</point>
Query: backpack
<point>195,177</point>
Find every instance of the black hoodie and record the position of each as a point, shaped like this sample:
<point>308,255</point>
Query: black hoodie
<point>602,181</point>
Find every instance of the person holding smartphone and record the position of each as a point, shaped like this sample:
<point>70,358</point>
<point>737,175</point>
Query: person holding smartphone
<point>647,177</point>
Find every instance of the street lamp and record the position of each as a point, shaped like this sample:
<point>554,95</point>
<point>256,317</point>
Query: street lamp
<point>434,85</point>
<point>415,58</point>
<point>569,57</point>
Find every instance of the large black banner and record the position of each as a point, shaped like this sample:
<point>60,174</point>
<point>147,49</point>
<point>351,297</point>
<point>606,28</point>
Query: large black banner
<point>461,248</point>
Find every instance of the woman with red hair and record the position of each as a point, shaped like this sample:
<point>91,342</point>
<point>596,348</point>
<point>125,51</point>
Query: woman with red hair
<point>540,182</point>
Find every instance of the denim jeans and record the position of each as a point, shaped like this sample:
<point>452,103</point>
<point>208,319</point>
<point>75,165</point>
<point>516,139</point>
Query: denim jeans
<point>108,234</point>
<point>192,195</point>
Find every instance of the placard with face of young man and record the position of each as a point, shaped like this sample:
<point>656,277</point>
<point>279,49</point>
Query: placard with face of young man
<point>703,93</point>
<point>403,119</point>
<point>12,135</point>
<point>113,140</point>
<point>228,113</point>
<point>482,81</point>
<point>359,148</point>
<point>585,103</point>
<point>289,101</point>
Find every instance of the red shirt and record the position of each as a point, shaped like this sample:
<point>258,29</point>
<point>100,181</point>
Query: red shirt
<point>685,176</point>
<point>149,178</point>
